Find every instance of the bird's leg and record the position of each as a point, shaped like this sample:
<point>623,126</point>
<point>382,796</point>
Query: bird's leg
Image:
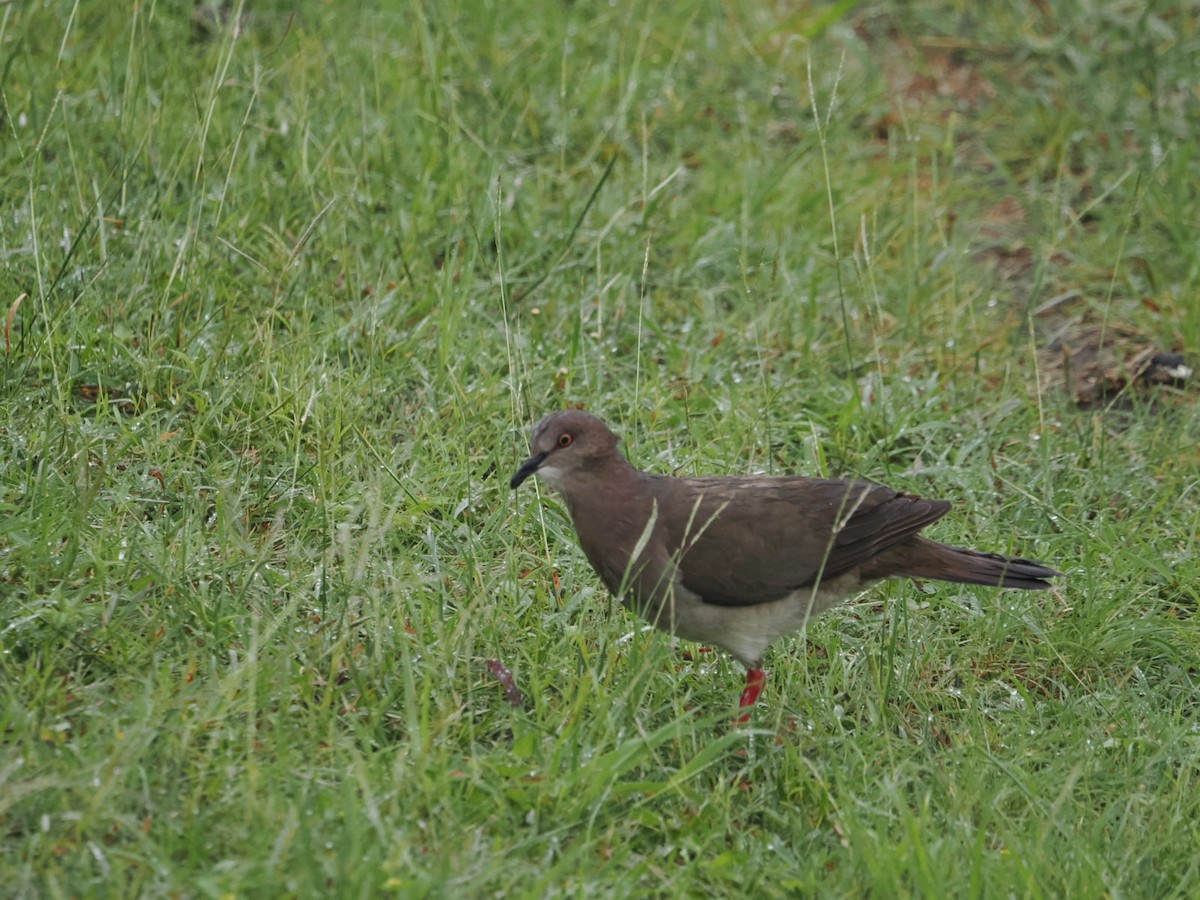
<point>755,679</point>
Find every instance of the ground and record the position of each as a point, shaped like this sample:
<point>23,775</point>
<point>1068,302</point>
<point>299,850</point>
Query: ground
<point>283,287</point>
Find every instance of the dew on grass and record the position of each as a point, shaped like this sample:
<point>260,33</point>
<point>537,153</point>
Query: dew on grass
<point>98,855</point>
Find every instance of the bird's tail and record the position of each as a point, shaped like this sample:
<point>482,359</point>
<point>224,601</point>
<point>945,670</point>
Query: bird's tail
<point>941,562</point>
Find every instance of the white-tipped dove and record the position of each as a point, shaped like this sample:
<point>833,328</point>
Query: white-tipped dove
<point>742,561</point>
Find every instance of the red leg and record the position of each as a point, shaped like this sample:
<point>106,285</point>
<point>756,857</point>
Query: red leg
<point>755,679</point>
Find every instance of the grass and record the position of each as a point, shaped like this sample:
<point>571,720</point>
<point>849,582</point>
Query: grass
<point>285,287</point>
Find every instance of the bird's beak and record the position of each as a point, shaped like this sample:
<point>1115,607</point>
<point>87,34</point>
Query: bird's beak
<point>527,468</point>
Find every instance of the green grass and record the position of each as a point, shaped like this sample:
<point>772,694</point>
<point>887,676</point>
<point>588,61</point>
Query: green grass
<point>285,298</point>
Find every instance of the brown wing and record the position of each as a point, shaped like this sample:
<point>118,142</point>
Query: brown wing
<point>744,541</point>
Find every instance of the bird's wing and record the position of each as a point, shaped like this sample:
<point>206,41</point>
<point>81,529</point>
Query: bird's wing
<point>743,541</point>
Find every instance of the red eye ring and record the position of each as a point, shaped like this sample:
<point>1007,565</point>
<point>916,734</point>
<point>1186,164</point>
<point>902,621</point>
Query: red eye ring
<point>566,439</point>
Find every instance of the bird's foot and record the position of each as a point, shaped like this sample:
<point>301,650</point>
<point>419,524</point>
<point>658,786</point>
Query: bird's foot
<point>755,679</point>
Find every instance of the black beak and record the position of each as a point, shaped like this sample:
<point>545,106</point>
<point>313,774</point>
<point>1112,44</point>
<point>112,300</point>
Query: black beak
<point>527,468</point>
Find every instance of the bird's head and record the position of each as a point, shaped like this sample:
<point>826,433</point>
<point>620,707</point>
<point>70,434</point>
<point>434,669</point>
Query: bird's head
<point>564,445</point>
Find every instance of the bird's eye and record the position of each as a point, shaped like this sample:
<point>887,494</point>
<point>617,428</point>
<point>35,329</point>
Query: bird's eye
<point>566,439</point>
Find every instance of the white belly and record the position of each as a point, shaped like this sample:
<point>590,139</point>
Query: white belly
<point>747,631</point>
